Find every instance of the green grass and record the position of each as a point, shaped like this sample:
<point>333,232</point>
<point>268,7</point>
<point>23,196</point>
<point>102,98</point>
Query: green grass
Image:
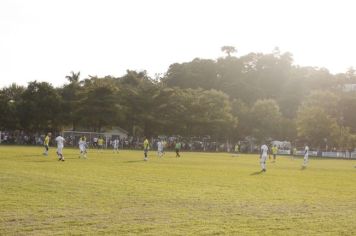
<point>199,194</point>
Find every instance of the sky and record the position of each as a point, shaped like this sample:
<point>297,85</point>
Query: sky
<point>45,40</point>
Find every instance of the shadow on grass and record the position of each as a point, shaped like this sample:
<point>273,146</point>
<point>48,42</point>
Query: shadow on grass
<point>257,172</point>
<point>134,161</point>
<point>37,161</point>
<point>303,168</point>
<point>30,155</point>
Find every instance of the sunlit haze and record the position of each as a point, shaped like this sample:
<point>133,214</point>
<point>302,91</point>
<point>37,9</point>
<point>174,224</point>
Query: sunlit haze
<point>45,40</point>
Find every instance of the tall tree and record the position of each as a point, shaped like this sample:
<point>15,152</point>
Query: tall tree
<point>228,50</point>
<point>10,98</point>
<point>138,93</point>
<point>347,105</point>
<point>40,107</point>
<point>73,77</point>
<point>71,94</point>
<point>199,73</point>
<point>264,119</point>
<point>316,127</point>
<point>99,107</point>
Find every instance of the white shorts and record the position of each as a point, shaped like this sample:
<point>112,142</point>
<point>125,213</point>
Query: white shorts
<point>263,158</point>
<point>59,149</point>
<point>306,156</point>
<point>82,149</point>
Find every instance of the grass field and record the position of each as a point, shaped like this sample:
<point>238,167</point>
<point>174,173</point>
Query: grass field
<point>199,194</point>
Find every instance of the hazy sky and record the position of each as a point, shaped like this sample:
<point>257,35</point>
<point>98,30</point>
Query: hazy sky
<point>46,39</point>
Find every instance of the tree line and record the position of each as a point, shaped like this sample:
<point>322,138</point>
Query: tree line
<point>264,96</point>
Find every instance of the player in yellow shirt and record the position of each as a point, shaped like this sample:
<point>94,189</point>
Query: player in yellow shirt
<point>274,152</point>
<point>46,143</point>
<point>101,143</point>
<point>146,147</point>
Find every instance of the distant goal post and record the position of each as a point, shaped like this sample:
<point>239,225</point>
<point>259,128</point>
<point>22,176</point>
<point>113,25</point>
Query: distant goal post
<point>72,137</point>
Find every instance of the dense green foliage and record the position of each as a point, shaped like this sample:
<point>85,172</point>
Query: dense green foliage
<point>260,95</point>
<point>199,194</point>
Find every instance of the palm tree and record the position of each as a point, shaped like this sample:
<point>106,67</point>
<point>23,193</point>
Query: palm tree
<point>74,77</point>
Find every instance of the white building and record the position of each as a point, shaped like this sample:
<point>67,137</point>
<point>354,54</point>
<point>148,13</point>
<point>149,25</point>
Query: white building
<point>115,131</point>
<point>349,87</point>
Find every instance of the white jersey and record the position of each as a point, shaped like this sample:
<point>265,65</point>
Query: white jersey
<point>60,141</point>
<point>264,150</point>
<point>115,143</point>
<point>160,146</point>
<point>82,144</point>
<point>306,151</point>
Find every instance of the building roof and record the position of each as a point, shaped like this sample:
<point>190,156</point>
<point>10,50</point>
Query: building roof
<point>115,129</point>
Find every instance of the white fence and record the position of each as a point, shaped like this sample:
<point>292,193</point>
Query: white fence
<point>311,153</point>
<point>339,154</point>
<point>284,152</point>
<point>323,154</point>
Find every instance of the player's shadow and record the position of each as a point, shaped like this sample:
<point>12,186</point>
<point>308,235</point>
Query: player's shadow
<point>37,161</point>
<point>257,173</point>
<point>30,155</point>
<point>134,161</point>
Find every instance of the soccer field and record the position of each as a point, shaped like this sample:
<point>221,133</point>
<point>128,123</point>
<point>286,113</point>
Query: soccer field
<point>198,194</point>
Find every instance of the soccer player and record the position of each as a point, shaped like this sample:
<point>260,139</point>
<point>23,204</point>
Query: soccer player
<point>263,157</point>
<point>46,143</point>
<point>306,156</point>
<point>100,143</point>
<point>236,150</point>
<point>274,152</point>
<point>146,147</point>
<point>294,152</point>
<point>164,144</point>
<point>178,147</point>
<point>60,144</point>
<point>115,145</point>
<point>95,142</point>
<point>160,148</point>
<point>83,147</point>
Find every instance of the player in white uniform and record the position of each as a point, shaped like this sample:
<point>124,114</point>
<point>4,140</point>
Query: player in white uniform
<point>60,144</point>
<point>306,156</point>
<point>83,147</point>
<point>160,148</point>
<point>263,157</point>
<point>115,145</point>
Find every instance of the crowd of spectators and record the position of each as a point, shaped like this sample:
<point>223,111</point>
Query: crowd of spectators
<point>21,138</point>
<point>200,144</point>
<point>188,144</point>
